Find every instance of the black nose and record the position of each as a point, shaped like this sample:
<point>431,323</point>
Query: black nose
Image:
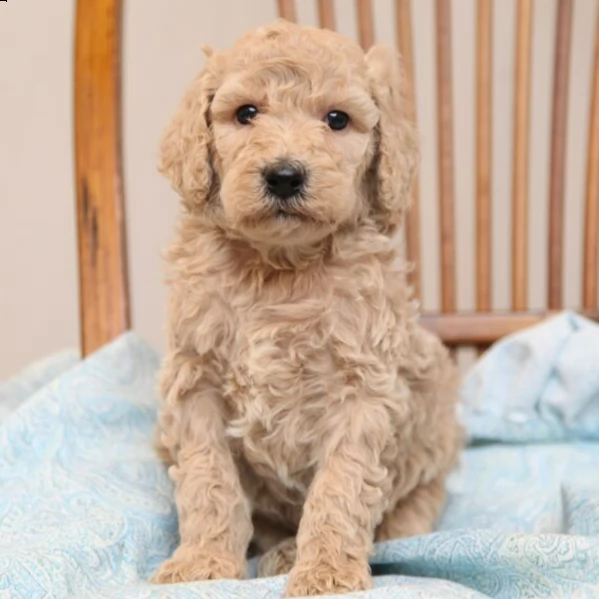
<point>285,180</point>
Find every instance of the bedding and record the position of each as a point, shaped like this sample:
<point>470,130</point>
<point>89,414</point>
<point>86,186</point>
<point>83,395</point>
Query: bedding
<point>86,508</point>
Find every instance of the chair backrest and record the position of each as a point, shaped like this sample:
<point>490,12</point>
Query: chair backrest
<point>100,203</point>
<point>486,326</point>
<point>103,269</point>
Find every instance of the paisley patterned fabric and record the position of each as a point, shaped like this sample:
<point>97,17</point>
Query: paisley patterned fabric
<point>86,508</point>
<point>17,389</point>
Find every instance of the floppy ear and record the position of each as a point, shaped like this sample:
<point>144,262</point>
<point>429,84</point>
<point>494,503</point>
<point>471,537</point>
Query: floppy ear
<point>396,153</point>
<point>186,147</point>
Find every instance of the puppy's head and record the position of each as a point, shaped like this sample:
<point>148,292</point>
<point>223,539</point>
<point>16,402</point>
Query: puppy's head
<point>292,134</point>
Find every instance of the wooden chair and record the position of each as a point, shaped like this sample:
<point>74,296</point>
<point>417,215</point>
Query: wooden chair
<point>104,290</point>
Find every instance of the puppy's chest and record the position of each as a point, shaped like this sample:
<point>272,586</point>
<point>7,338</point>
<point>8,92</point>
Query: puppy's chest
<point>285,360</point>
<point>280,371</point>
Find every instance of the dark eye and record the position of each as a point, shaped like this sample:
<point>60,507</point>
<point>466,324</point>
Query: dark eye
<point>337,120</point>
<point>246,113</point>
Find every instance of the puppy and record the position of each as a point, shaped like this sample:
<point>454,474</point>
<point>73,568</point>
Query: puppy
<point>304,408</point>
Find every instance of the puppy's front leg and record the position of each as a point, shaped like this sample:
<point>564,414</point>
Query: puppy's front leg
<point>344,505</point>
<point>214,514</point>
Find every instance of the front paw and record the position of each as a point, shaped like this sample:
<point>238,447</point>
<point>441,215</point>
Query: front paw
<point>328,578</point>
<point>189,564</point>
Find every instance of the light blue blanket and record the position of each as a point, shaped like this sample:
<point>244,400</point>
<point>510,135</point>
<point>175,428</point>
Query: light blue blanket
<point>86,508</point>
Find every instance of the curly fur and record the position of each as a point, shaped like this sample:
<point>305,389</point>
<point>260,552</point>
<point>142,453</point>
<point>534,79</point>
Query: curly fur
<point>304,408</point>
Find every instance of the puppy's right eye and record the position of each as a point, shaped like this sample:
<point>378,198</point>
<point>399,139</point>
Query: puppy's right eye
<point>337,120</point>
<point>246,113</point>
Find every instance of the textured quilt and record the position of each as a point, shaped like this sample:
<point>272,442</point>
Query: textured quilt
<point>86,508</point>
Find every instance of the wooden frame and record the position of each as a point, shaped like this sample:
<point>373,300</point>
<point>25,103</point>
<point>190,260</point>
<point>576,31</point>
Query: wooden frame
<point>103,269</point>
<point>591,229</point>
<point>520,156</point>
<point>104,289</point>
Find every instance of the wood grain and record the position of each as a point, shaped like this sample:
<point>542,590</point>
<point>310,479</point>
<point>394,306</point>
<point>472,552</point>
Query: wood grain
<point>287,10</point>
<point>365,23</point>
<point>484,329</point>
<point>446,162</point>
<point>103,275</point>
<point>484,88</point>
<point>403,29</point>
<point>520,156</point>
<point>557,169</point>
<point>326,14</point>
<point>591,222</point>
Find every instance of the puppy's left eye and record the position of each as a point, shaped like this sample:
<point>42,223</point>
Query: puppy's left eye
<point>246,113</point>
<point>337,120</point>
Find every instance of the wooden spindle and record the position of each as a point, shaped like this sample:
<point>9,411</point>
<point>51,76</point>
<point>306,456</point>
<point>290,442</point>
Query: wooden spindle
<point>557,174</point>
<point>365,23</point>
<point>326,14</point>
<point>520,156</point>
<point>484,82</point>
<point>103,270</point>
<point>445,142</point>
<point>591,223</point>
<point>403,28</point>
<point>287,10</point>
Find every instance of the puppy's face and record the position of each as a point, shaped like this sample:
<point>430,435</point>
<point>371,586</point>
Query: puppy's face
<point>288,140</point>
<point>293,129</point>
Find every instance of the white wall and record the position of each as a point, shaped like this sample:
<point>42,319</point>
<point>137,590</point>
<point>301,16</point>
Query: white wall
<point>38,288</point>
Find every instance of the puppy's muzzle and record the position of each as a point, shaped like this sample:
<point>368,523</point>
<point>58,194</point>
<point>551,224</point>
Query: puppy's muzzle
<point>285,180</point>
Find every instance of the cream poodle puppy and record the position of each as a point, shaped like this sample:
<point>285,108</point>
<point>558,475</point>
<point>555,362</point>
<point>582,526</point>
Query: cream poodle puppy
<point>305,411</point>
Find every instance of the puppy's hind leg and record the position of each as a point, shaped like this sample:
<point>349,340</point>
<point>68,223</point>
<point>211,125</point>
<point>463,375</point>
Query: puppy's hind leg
<point>415,514</point>
<point>279,559</point>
